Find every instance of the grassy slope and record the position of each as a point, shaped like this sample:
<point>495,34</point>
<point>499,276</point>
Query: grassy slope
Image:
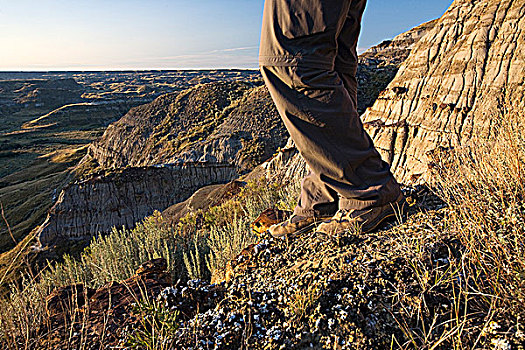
<point>27,194</point>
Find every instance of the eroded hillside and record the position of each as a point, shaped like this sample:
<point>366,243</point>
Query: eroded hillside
<point>181,127</point>
<point>460,80</point>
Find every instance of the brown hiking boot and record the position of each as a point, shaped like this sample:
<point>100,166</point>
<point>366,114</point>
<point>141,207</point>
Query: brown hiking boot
<point>295,225</point>
<point>365,220</point>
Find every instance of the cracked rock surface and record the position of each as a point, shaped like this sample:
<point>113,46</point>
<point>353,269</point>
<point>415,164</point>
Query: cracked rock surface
<point>96,205</point>
<point>458,82</point>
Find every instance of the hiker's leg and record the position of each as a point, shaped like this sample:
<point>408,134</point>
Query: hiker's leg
<point>346,63</point>
<point>298,63</point>
<point>316,198</point>
<point>293,31</point>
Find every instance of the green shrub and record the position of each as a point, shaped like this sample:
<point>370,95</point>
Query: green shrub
<point>226,242</point>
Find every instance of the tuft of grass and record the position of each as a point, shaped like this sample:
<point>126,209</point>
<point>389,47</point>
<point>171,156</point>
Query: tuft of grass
<point>193,261</point>
<point>157,325</point>
<point>227,241</point>
<point>484,185</point>
<point>302,301</point>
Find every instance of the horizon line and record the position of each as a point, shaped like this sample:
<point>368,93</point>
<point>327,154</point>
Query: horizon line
<point>126,70</point>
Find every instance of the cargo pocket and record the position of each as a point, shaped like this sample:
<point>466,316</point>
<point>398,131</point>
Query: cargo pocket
<point>299,18</point>
<point>321,96</point>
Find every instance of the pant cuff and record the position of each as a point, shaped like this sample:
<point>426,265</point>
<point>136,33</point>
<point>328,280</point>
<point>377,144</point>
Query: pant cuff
<point>387,194</point>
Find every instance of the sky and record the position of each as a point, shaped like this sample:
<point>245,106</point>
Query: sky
<point>47,35</point>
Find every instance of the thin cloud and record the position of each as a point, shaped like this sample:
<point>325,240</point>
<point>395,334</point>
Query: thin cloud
<point>206,53</point>
<point>238,49</point>
<point>361,50</point>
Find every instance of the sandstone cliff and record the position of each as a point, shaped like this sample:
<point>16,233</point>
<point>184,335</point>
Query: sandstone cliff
<point>93,206</point>
<point>460,80</point>
<point>397,50</point>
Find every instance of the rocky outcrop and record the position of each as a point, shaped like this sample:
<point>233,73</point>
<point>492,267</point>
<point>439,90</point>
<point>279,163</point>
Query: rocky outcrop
<point>106,313</point>
<point>250,134</point>
<point>379,64</point>
<point>461,79</point>
<point>87,208</point>
<point>397,50</point>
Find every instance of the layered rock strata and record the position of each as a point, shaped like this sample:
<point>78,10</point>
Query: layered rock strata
<point>461,79</point>
<point>379,64</point>
<point>87,208</point>
<point>397,50</point>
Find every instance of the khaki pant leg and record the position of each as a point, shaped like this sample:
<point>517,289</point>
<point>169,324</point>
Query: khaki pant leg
<point>319,109</point>
<point>316,198</point>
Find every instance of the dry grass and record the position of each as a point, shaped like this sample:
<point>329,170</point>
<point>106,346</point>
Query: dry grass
<point>302,301</point>
<point>484,185</point>
<point>485,188</point>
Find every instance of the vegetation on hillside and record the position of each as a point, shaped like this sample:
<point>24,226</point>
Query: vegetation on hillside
<point>191,247</point>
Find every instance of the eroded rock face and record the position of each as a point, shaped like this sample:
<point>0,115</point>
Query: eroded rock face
<point>379,64</point>
<point>460,80</point>
<point>397,50</point>
<point>87,208</point>
<point>248,135</point>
